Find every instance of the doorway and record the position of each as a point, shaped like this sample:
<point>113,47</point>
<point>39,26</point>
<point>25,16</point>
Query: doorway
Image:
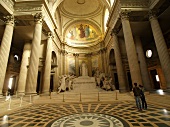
<point>51,83</point>
<point>129,81</point>
<point>116,81</point>
<point>155,79</point>
<point>38,83</point>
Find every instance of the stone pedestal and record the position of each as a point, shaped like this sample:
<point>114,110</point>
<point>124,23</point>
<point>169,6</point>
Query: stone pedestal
<point>84,84</point>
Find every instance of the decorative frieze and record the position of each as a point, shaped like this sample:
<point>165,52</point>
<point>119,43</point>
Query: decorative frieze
<point>28,8</point>
<point>134,3</point>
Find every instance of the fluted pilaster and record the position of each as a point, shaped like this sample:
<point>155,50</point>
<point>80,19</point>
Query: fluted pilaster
<point>24,68</point>
<point>47,68</point>
<point>143,65</point>
<point>34,58</point>
<point>161,47</point>
<point>131,50</point>
<point>119,66</point>
<point>5,48</point>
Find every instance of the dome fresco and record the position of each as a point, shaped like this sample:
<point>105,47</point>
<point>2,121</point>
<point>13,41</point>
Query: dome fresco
<point>81,34</point>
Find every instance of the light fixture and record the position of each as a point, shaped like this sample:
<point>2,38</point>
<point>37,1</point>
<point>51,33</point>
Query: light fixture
<point>148,53</point>
<point>16,57</point>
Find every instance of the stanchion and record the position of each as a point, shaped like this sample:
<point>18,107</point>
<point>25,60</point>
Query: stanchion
<point>30,100</point>
<point>98,97</point>
<point>63,97</point>
<point>20,101</point>
<point>116,95</point>
<point>9,106</point>
<point>80,97</point>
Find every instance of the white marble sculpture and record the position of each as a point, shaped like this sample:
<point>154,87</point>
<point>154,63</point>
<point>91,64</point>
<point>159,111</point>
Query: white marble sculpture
<point>84,69</point>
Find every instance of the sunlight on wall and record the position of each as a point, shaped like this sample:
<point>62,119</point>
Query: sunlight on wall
<point>106,18</point>
<point>111,2</point>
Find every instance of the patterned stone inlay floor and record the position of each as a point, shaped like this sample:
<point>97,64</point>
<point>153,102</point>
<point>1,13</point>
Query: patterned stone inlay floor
<point>116,114</point>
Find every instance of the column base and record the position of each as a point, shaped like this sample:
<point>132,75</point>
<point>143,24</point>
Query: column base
<point>46,93</point>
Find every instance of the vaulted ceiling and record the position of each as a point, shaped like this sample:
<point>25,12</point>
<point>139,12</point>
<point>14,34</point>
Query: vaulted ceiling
<point>81,21</point>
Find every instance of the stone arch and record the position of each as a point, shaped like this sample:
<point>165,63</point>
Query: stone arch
<point>53,71</point>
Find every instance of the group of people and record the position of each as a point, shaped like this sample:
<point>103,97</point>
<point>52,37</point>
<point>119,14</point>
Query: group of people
<point>139,97</point>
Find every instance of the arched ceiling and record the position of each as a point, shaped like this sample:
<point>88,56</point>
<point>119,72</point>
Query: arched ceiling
<point>74,8</point>
<point>76,13</point>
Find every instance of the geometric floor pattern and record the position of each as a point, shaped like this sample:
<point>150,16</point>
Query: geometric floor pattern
<point>116,114</point>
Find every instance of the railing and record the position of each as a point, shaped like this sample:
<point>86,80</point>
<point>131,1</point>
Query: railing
<point>14,102</point>
<point>86,97</point>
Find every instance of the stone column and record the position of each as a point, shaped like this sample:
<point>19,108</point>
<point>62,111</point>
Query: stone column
<point>105,60</point>
<point>6,83</point>
<point>60,62</point>
<point>5,48</point>
<point>100,60</point>
<point>131,50</point>
<point>65,63</point>
<point>47,68</point>
<point>161,48</point>
<point>119,65</point>
<point>76,64</point>
<point>143,66</point>
<point>34,58</point>
<point>89,64</point>
<point>24,68</point>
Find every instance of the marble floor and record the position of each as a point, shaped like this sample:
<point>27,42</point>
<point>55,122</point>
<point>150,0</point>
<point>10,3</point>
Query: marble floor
<point>88,114</point>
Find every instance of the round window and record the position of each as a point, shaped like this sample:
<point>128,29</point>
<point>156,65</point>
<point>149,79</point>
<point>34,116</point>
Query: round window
<point>148,53</point>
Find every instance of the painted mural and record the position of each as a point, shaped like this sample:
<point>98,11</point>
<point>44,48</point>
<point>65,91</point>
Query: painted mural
<point>95,65</point>
<point>81,32</point>
<point>71,66</point>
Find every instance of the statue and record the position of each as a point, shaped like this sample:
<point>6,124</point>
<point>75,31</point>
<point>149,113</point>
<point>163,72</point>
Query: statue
<point>63,84</point>
<point>84,70</point>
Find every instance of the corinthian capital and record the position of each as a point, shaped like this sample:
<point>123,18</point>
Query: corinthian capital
<point>76,54</point>
<point>125,14</point>
<point>9,19</point>
<point>50,34</point>
<point>38,17</point>
<point>152,14</point>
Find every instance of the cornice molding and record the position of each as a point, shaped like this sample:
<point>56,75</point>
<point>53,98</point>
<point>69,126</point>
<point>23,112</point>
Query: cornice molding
<point>134,3</point>
<point>8,5</point>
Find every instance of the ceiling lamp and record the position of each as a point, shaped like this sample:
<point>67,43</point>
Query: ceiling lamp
<point>80,1</point>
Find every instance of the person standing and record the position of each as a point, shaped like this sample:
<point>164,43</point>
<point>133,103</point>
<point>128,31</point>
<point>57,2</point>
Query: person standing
<point>136,91</point>
<point>142,96</point>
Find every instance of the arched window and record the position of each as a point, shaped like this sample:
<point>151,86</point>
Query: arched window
<point>106,16</point>
<point>111,2</point>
